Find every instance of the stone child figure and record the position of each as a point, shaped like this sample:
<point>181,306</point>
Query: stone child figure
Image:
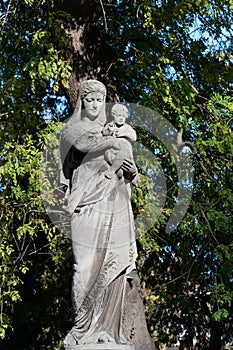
<point>102,226</point>
<point>119,129</point>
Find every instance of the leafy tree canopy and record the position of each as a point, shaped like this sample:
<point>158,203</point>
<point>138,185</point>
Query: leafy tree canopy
<point>172,56</point>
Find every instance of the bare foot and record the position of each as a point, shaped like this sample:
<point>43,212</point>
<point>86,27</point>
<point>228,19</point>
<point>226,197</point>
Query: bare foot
<point>105,338</point>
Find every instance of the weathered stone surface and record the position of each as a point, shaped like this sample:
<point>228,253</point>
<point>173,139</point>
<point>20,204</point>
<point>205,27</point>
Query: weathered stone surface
<point>100,347</point>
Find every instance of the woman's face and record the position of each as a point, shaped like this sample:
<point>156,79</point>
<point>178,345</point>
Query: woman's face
<point>93,103</point>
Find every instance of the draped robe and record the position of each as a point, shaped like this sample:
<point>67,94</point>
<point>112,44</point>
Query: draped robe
<point>103,236</point>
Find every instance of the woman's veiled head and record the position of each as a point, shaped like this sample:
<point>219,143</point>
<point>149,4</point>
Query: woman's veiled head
<point>88,90</point>
<point>91,85</point>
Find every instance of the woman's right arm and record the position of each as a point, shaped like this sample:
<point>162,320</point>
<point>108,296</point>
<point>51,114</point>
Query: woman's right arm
<point>93,143</point>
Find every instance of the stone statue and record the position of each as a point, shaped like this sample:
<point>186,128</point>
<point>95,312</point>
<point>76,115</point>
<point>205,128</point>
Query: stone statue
<point>102,225</point>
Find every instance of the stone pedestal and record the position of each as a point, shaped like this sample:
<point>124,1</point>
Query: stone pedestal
<point>107,346</point>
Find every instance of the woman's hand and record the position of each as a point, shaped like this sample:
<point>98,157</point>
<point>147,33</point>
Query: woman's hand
<point>129,167</point>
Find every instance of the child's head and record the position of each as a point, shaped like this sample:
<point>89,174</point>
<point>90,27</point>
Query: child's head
<point>119,113</point>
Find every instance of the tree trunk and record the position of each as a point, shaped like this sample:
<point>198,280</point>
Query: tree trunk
<point>90,57</point>
<point>88,54</point>
<point>215,335</point>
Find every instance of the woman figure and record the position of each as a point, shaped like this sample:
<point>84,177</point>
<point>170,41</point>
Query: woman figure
<point>102,227</point>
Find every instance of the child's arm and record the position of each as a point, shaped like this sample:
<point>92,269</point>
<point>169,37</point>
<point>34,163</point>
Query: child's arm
<point>127,132</point>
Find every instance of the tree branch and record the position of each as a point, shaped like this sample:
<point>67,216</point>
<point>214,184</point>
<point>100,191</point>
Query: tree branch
<point>208,224</point>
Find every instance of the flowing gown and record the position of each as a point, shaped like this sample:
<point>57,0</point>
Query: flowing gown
<point>103,236</point>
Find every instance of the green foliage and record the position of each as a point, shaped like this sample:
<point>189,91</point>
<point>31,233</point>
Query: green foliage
<point>31,262</point>
<point>174,57</point>
<point>33,252</point>
<point>50,63</point>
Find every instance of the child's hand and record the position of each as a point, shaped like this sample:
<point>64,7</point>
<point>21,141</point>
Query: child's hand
<point>108,131</point>
<point>119,133</point>
<point>111,129</point>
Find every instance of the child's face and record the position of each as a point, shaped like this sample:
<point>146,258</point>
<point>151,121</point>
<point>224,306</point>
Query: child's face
<point>119,116</point>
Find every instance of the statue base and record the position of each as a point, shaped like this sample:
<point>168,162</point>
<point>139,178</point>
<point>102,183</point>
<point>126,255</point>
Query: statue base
<point>106,346</point>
